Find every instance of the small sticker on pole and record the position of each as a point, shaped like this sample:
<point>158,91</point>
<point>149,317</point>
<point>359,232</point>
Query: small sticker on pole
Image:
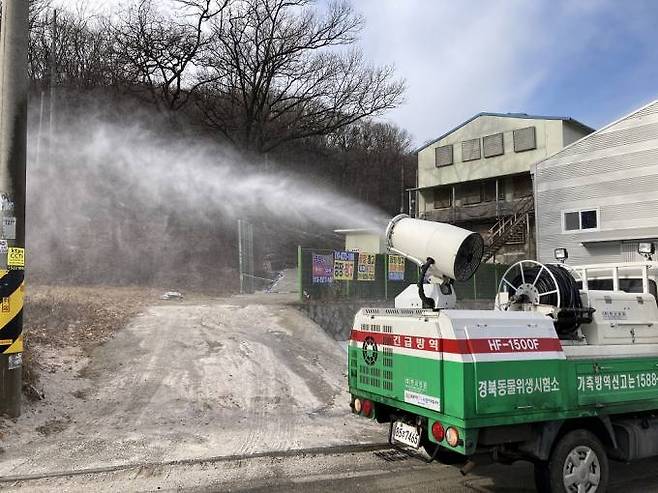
<point>16,258</point>
<point>9,228</point>
<point>4,246</point>
<point>15,361</point>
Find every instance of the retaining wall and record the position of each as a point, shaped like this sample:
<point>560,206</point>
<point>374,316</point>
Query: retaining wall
<point>337,318</point>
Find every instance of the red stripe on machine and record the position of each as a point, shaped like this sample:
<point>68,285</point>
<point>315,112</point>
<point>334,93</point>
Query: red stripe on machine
<point>493,345</point>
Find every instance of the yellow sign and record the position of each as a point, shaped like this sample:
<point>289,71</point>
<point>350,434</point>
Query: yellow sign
<point>16,258</point>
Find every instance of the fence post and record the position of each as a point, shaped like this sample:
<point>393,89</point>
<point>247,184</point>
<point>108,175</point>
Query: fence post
<point>299,272</point>
<point>495,279</point>
<point>385,276</point>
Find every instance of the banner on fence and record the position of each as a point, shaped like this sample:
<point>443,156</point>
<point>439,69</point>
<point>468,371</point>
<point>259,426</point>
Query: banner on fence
<point>344,266</point>
<point>323,269</point>
<point>396,266</point>
<point>366,270</point>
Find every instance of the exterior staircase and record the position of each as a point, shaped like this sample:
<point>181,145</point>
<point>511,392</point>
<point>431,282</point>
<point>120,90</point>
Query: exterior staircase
<point>509,228</point>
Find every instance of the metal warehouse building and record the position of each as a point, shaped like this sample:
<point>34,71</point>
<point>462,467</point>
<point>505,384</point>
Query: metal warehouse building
<point>598,197</point>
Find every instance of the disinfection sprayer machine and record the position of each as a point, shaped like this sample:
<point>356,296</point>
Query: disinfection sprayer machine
<point>562,371</point>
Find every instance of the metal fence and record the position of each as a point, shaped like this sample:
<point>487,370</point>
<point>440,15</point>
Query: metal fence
<point>483,285</point>
<point>326,274</point>
<point>329,275</point>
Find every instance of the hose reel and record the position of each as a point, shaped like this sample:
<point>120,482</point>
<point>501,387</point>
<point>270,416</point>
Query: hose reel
<point>550,288</point>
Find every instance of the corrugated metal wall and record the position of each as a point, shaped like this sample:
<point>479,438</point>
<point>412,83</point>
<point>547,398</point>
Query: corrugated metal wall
<point>615,171</point>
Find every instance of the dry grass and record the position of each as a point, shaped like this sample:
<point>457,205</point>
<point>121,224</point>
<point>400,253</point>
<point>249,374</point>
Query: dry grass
<point>65,316</point>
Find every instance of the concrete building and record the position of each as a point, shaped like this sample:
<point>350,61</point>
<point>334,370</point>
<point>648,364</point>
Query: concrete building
<point>477,176</point>
<point>598,197</point>
<point>363,240</point>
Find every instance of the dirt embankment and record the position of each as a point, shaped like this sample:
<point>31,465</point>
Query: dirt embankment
<point>73,320</point>
<point>63,324</point>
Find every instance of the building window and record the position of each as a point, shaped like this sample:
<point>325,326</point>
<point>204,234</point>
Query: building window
<point>503,185</point>
<point>525,139</point>
<point>493,145</point>
<point>521,186</point>
<point>471,150</point>
<point>489,191</point>
<point>580,220</point>
<point>443,156</point>
<point>442,197</point>
<point>470,193</point>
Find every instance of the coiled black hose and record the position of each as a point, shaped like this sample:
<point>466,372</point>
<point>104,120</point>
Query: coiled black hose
<point>569,316</point>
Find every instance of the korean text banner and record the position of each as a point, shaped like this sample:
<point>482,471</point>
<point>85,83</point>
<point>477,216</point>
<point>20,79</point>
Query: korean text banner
<point>366,271</point>
<point>344,266</point>
<point>323,269</point>
<point>396,266</point>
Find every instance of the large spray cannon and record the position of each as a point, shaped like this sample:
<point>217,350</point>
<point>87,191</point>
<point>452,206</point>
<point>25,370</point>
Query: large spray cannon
<point>445,253</point>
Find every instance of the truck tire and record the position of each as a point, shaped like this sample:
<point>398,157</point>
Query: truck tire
<point>578,464</point>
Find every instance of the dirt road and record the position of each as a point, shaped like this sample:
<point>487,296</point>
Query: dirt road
<point>192,380</point>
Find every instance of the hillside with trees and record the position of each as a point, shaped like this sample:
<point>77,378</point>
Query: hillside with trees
<point>282,83</point>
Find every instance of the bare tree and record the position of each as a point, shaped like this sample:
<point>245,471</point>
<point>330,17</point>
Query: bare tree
<point>37,7</point>
<point>369,159</point>
<point>82,56</point>
<point>277,71</point>
<point>158,51</point>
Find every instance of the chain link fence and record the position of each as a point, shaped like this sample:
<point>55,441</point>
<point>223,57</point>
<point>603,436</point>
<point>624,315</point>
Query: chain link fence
<point>329,275</point>
<point>483,286</point>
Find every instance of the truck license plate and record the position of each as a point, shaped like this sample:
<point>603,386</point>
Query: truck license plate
<point>408,435</point>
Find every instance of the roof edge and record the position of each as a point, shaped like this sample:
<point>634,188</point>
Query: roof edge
<point>525,116</point>
<point>596,132</point>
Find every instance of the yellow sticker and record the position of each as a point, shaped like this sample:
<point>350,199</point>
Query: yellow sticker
<point>6,305</point>
<point>16,258</point>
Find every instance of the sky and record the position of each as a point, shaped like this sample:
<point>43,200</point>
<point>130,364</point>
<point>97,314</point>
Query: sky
<point>592,60</point>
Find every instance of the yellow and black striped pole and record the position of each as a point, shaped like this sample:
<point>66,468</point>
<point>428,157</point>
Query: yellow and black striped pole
<point>13,147</point>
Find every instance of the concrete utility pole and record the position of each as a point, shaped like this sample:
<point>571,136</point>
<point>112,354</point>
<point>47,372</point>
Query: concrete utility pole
<point>13,150</point>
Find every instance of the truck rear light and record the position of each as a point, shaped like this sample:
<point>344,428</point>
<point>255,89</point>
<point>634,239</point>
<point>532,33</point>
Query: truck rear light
<point>438,432</point>
<point>357,405</point>
<point>366,408</point>
<point>452,437</point>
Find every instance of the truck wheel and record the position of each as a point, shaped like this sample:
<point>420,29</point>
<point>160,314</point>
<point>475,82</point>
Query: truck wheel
<point>578,464</point>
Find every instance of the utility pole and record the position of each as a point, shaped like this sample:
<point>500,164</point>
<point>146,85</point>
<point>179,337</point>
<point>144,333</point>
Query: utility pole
<point>13,145</point>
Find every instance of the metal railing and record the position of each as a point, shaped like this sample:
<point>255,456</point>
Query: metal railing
<point>499,234</point>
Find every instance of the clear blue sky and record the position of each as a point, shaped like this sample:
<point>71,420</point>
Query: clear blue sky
<point>593,60</point>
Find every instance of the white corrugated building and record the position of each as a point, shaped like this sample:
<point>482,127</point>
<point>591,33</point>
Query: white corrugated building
<point>598,197</point>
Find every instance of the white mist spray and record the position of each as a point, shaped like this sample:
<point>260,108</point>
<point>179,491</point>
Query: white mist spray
<point>125,203</point>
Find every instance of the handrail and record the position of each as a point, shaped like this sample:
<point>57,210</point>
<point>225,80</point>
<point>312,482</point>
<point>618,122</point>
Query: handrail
<point>504,223</point>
